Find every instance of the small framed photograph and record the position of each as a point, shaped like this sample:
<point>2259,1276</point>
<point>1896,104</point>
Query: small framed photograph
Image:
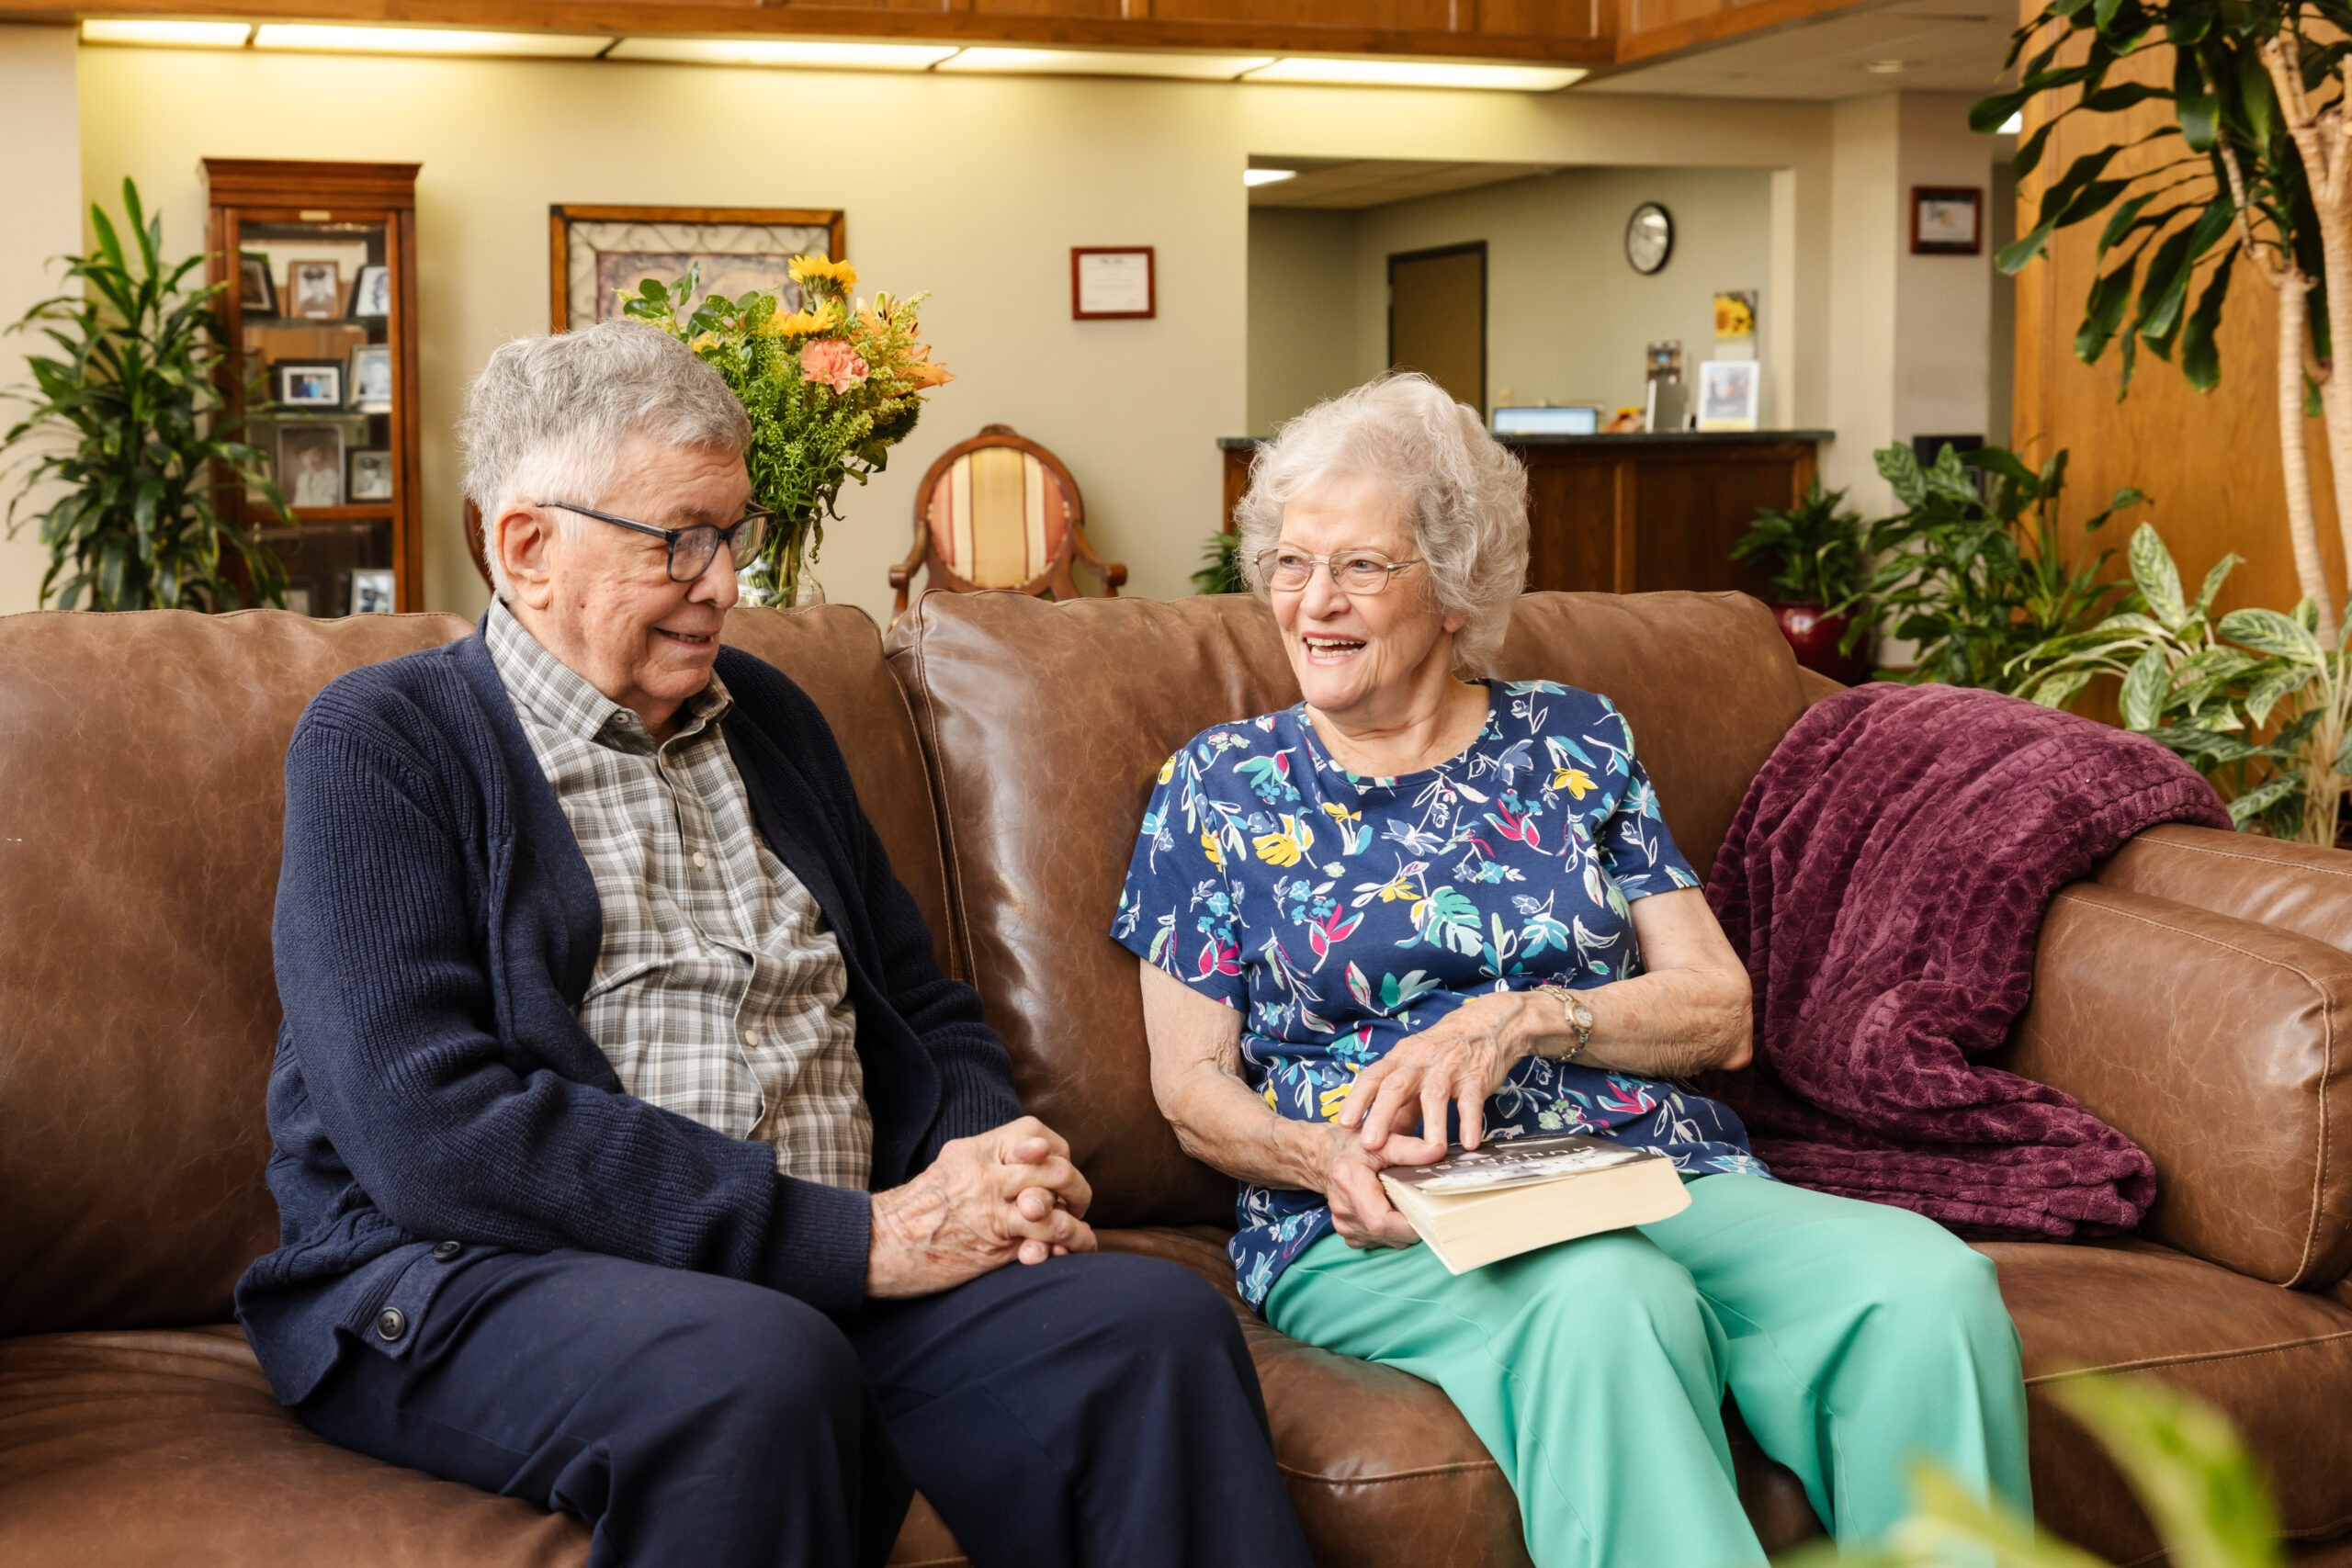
<point>317,289</point>
<point>309,464</point>
<point>371,591</point>
<point>1947,220</point>
<point>371,474</point>
<point>307,383</point>
<point>256,294</point>
<point>371,378</point>
<point>1728,394</point>
<point>372,293</point>
<point>1112,283</point>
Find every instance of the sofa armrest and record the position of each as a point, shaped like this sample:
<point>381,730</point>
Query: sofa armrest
<point>2297,887</point>
<point>2223,1047</point>
<point>1816,686</point>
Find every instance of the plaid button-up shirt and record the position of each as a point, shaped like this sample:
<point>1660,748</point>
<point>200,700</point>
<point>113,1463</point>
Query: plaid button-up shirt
<point>720,992</point>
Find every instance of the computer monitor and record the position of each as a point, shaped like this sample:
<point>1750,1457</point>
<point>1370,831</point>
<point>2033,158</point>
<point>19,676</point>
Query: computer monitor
<point>1577,419</point>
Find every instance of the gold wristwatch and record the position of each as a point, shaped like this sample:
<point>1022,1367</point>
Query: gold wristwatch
<point>1578,1016</point>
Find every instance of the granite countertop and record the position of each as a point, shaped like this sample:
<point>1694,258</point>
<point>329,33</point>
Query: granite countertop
<point>1243,442</point>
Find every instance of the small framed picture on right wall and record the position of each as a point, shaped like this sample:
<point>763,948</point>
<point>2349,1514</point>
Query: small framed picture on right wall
<point>1947,220</point>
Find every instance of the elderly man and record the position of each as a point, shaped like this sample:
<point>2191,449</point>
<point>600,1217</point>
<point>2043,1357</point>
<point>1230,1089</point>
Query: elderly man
<point>632,1154</point>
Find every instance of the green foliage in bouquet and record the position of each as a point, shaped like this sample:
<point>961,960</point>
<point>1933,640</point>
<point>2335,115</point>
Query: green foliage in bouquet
<point>128,418</point>
<point>1813,549</point>
<point>1978,576</point>
<point>2201,1488</point>
<point>830,388</point>
<point>2207,687</point>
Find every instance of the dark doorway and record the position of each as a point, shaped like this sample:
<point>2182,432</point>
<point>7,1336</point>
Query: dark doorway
<point>1437,318</point>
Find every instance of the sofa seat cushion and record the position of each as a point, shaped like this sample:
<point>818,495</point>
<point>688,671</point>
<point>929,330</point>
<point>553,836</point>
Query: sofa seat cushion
<point>1383,1469</point>
<point>2277,1361</point>
<point>166,1448</point>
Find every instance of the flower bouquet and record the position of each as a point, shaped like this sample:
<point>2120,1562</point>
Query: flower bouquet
<point>830,388</point>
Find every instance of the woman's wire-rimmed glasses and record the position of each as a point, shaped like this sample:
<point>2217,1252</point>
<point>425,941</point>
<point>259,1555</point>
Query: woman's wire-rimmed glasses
<point>691,549</point>
<point>1352,571</point>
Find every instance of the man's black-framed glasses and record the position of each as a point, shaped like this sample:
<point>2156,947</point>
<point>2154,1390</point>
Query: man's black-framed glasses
<point>691,549</point>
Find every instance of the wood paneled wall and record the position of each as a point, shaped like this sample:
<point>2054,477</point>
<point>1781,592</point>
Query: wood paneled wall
<point>2209,460</point>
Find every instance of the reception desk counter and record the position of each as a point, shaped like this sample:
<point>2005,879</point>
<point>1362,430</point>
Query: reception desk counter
<point>1633,513</point>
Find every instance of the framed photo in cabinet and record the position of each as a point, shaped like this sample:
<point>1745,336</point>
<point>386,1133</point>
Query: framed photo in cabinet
<point>307,383</point>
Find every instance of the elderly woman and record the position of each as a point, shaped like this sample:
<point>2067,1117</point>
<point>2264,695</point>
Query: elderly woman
<point>1416,907</point>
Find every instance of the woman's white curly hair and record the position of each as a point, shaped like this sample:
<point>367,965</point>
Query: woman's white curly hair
<point>1464,496</point>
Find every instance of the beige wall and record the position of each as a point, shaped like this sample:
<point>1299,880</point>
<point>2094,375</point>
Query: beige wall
<point>1302,312</point>
<point>971,187</point>
<point>41,184</point>
<point>1567,318</point>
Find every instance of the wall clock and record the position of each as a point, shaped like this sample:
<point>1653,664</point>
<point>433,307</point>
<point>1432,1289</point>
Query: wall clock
<point>1649,238</point>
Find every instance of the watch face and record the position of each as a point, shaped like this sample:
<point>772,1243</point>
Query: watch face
<point>1580,1015</point>
<point>1649,237</point>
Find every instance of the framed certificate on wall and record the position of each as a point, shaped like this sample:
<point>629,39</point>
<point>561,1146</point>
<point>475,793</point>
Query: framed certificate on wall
<point>1110,283</point>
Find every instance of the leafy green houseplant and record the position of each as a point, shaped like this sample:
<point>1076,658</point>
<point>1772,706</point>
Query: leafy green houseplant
<point>2252,168</point>
<point>1221,566</point>
<point>2199,1487</point>
<point>1977,576</point>
<point>2208,686</point>
<point>830,388</point>
<point>1813,552</point>
<point>128,417</point>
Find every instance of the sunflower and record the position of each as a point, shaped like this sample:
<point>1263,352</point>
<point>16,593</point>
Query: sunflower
<point>839,273</point>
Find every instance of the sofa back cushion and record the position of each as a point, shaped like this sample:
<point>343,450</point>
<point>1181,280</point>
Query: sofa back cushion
<point>1046,725</point>
<point>141,766</point>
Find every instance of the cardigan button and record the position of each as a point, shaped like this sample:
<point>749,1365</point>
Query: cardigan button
<point>445,1250</point>
<point>390,1323</point>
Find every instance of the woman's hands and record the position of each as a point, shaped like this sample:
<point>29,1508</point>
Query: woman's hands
<point>1360,1211</point>
<point>1008,1194</point>
<point>1463,1057</point>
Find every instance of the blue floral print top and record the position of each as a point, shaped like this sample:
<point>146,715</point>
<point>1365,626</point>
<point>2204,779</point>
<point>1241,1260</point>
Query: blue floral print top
<point>1340,914</point>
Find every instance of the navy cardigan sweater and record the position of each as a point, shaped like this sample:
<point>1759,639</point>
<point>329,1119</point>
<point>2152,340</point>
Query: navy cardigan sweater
<point>435,929</point>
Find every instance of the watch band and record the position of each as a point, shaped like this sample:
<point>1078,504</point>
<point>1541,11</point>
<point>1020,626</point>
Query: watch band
<point>1575,1013</point>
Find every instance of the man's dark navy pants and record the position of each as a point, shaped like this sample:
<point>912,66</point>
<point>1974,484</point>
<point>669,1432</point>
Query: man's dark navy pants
<point>1097,1409</point>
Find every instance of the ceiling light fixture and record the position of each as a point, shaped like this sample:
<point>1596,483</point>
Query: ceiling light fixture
<point>1887,67</point>
<point>1267,176</point>
<point>423,41</point>
<point>803,52</point>
<point>1107,63</point>
<point>1328,71</point>
<point>176,35</point>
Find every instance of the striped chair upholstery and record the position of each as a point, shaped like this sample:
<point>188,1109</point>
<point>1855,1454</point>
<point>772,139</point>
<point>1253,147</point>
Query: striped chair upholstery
<point>999,510</point>
<point>999,517</point>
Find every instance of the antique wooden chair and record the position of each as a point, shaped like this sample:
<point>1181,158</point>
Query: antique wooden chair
<point>999,510</point>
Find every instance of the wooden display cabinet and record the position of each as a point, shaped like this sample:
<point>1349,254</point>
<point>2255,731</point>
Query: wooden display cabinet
<point>321,264</point>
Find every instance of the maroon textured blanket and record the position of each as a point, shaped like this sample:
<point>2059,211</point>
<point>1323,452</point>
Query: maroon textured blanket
<point>1885,880</point>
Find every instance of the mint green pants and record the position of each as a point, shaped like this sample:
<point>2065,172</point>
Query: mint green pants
<point>1854,1337</point>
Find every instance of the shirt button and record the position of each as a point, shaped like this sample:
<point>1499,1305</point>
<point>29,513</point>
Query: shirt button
<point>750,1039</point>
<point>445,1250</point>
<point>700,859</point>
<point>390,1323</point>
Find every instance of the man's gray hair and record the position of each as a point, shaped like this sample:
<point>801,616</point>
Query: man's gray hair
<point>1464,496</point>
<point>547,416</point>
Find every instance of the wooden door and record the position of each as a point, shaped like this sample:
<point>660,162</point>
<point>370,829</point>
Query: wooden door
<point>1437,318</point>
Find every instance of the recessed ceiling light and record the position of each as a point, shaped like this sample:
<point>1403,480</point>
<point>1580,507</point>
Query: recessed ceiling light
<point>1107,63</point>
<point>423,41</point>
<point>1887,67</point>
<point>183,35</point>
<point>2014,125</point>
<point>1267,176</point>
<point>1417,74</point>
<point>784,51</point>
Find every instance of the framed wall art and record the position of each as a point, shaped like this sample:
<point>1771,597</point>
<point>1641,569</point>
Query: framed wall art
<point>1947,220</point>
<point>596,255</point>
<point>1113,283</point>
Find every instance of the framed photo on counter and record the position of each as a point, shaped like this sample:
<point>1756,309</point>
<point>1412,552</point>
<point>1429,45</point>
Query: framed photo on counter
<point>1728,394</point>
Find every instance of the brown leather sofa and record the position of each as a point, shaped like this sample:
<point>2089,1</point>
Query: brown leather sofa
<point>2196,993</point>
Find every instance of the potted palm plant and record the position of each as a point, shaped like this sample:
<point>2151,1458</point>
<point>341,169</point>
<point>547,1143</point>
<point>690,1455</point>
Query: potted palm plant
<point>1814,551</point>
<point>130,426</point>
